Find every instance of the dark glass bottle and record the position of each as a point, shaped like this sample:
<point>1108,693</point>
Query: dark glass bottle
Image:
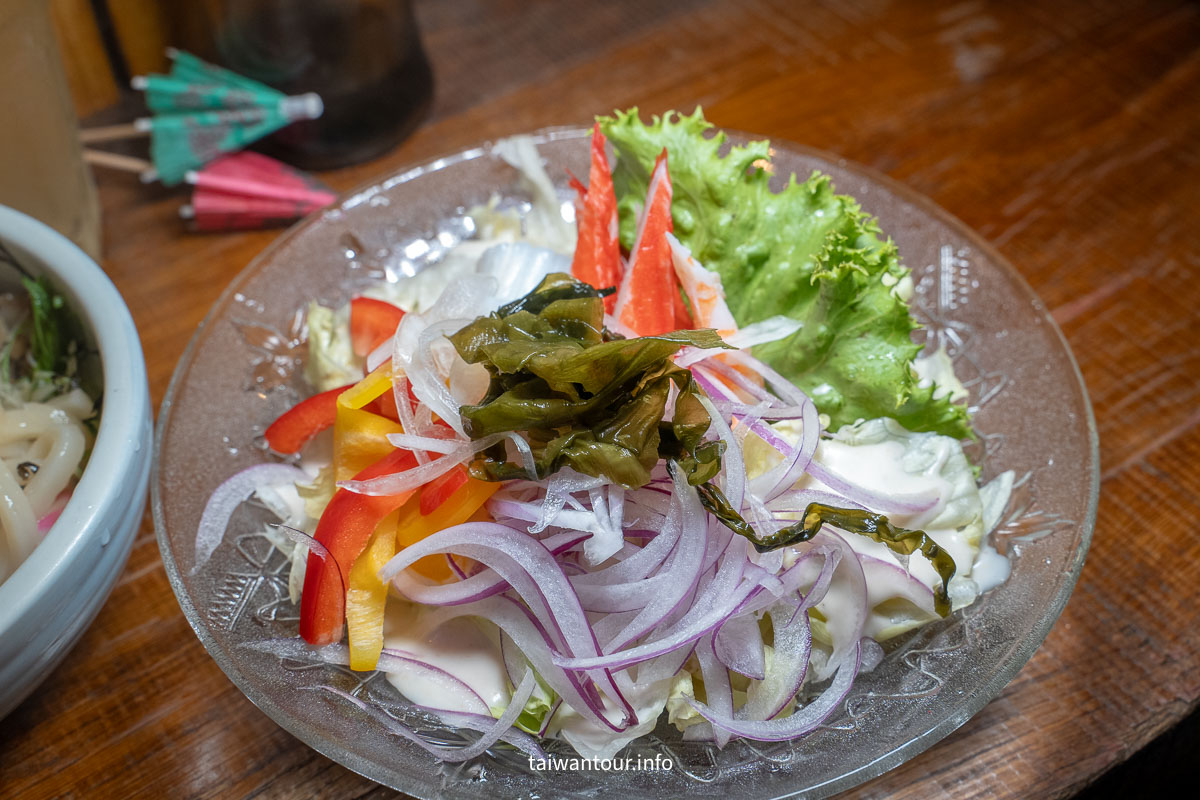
<point>364,57</point>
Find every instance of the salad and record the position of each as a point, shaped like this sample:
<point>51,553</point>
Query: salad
<point>665,450</point>
<point>47,420</point>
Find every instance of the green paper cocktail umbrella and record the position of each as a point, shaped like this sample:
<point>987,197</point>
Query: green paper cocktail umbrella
<point>202,111</point>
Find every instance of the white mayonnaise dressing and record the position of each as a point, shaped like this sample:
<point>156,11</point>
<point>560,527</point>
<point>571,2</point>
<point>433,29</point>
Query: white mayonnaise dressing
<point>886,459</point>
<point>991,569</point>
<point>895,467</point>
<point>460,647</point>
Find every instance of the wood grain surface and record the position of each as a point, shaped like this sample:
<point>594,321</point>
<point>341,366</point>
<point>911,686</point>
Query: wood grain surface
<point>1067,133</point>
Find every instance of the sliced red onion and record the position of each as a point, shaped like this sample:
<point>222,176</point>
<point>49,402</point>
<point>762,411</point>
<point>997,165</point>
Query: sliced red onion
<point>530,568</point>
<point>796,501</point>
<point>228,496</point>
<point>784,388</point>
<point>381,354</point>
<point>758,411</point>
<point>887,504</point>
<point>389,661</point>
<point>784,475</point>
<point>770,561</point>
<point>430,444</point>
<point>803,721</point>
<point>525,452</point>
<point>408,420</point>
<point>479,722</point>
<point>405,663</point>
<point>845,603</point>
<point>608,538</point>
<point>617,597</point>
<point>485,583</point>
<point>696,624</point>
<point>767,330</point>
<point>906,504</point>
<point>792,646</point>
<point>493,730</point>
<point>734,468</point>
<point>519,624</point>
<point>561,486</point>
<point>738,645</point>
<point>545,729</point>
<point>454,567</point>
<point>717,687</point>
<point>516,705</point>
<point>725,376</point>
<point>298,536</point>
<point>410,479</point>
<point>573,569</point>
<point>885,581</point>
<point>642,563</point>
<point>428,381</point>
<point>805,572</point>
<point>683,565</point>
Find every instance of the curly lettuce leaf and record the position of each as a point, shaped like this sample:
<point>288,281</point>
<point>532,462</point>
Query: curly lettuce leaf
<point>805,252</point>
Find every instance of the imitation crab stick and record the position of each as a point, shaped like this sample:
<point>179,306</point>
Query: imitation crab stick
<point>597,251</point>
<point>649,301</point>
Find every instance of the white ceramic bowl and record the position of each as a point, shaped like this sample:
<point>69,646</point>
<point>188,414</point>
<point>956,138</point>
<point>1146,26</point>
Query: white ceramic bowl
<point>48,602</point>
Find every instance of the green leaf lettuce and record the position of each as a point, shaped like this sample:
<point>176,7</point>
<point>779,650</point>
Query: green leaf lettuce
<point>805,252</point>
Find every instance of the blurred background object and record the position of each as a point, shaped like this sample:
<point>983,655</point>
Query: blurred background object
<point>363,57</point>
<point>41,163</point>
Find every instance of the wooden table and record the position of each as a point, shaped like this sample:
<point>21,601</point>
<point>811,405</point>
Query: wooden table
<point>1068,134</point>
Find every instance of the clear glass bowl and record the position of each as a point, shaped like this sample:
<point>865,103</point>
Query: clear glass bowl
<point>243,368</point>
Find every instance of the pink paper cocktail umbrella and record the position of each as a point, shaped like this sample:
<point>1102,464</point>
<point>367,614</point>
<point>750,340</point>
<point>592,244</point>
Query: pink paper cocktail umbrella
<point>249,190</point>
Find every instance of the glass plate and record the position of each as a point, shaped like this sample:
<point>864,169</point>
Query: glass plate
<point>243,368</point>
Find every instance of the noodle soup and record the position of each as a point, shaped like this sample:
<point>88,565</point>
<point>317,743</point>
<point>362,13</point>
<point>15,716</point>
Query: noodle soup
<point>47,418</point>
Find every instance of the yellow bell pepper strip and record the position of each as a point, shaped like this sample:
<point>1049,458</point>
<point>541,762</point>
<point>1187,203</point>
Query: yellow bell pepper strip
<point>345,528</point>
<point>359,435</point>
<point>367,595</point>
<point>456,509</point>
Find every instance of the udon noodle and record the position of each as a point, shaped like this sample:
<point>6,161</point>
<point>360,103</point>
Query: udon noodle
<point>43,442</point>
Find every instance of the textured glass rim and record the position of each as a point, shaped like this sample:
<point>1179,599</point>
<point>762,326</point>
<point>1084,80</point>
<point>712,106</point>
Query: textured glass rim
<point>316,738</point>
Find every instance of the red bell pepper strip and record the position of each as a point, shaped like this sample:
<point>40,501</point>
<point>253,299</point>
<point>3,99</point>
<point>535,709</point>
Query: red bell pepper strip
<point>385,406</point>
<point>434,493</point>
<point>372,322</point>
<point>306,419</point>
<point>649,302</point>
<point>597,251</point>
<point>345,528</point>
